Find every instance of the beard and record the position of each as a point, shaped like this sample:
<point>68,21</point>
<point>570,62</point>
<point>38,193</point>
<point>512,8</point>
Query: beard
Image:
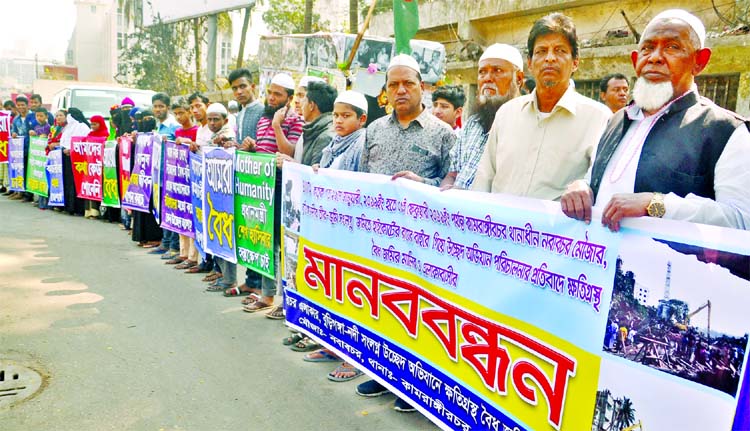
<point>651,97</point>
<point>269,111</point>
<point>487,106</point>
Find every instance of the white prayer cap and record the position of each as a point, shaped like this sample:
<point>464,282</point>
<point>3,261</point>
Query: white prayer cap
<point>283,80</point>
<point>353,98</point>
<point>693,21</point>
<point>308,79</point>
<point>233,104</point>
<point>404,60</point>
<point>217,108</point>
<point>505,52</point>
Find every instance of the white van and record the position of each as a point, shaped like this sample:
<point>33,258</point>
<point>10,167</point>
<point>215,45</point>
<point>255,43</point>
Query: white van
<point>96,100</point>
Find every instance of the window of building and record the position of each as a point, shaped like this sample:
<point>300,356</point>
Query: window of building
<point>722,89</point>
<point>588,88</point>
<point>93,8</point>
<point>120,18</point>
<point>122,40</point>
<point>226,57</point>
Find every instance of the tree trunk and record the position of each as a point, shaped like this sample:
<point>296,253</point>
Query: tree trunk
<point>307,28</point>
<point>353,16</point>
<point>198,37</point>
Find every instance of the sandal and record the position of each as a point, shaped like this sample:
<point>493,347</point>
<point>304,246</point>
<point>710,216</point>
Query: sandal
<point>151,245</point>
<point>236,291</point>
<point>186,264</point>
<point>321,355</point>
<point>175,260</point>
<point>249,299</point>
<point>344,373</point>
<point>305,345</point>
<point>197,269</point>
<point>256,306</point>
<point>212,277</point>
<point>217,287</point>
<point>277,313</point>
<point>292,339</point>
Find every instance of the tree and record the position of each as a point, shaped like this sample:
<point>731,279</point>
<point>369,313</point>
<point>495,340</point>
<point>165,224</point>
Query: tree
<point>627,413</point>
<point>288,16</point>
<point>353,16</point>
<point>155,59</point>
<point>307,27</point>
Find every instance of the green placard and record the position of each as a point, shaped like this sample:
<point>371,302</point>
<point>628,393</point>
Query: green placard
<point>110,194</point>
<point>36,172</point>
<point>255,179</point>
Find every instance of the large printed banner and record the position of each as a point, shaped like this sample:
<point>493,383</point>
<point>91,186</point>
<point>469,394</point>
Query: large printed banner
<point>499,313</point>
<point>55,178</point>
<point>138,194</point>
<point>156,158</point>
<point>255,181</point>
<point>15,164</point>
<point>218,202</point>
<point>196,195</point>
<point>126,148</point>
<point>36,167</point>
<point>87,157</point>
<point>111,195</point>
<point>177,207</point>
<point>4,135</point>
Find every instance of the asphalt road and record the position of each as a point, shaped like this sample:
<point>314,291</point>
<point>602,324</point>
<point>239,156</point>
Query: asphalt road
<point>126,343</point>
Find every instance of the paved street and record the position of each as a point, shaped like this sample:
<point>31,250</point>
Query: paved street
<point>127,343</point>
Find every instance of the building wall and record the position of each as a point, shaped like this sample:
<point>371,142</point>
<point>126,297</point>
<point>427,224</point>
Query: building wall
<point>455,23</point>
<point>92,47</point>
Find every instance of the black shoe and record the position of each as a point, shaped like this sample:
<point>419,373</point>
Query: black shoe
<point>403,407</point>
<point>371,388</point>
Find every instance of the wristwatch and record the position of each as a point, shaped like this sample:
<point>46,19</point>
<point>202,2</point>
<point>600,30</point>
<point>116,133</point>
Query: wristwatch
<point>656,208</point>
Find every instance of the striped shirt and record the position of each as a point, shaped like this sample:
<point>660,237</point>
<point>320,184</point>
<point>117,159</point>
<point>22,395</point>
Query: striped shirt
<point>467,152</point>
<point>266,141</point>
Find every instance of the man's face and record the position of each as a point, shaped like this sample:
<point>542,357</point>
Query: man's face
<point>345,120</point>
<point>666,54</point>
<point>299,95</point>
<point>404,90</point>
<point>552,62</point>
<point>182,116</point>
<point>34,103</point>
<point>160,110</point>
<point>495,77</point>
<point>41,118</point>
<point>23,108</point>
<point>307,108</point>
<point>215,121</point>
<point>616,96</point>
<point>242,89</point>
<point>445,111</point>
<point>198,109</point>
<point>276,96</point>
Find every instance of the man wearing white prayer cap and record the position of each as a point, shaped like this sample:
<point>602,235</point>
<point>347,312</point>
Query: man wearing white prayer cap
<point>542,141</point>
<point>671,153</point>
<point>499,79</point>
<point>410,143</point>
<point>217,122</point>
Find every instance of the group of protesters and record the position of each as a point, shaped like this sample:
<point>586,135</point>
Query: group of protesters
<point>668,153</point>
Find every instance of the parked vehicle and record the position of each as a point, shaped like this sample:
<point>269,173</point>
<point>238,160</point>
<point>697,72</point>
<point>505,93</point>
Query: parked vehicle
<point>97,100</point>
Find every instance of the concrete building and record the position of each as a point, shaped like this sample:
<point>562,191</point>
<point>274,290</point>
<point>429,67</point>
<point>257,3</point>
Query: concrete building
<point>605,36</point>
<point>641,292</point>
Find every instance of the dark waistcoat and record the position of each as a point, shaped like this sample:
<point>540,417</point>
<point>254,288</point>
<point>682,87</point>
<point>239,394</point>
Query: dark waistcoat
<point>680,152</point>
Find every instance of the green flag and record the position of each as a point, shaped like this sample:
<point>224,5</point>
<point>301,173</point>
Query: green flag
<point>405,24</point>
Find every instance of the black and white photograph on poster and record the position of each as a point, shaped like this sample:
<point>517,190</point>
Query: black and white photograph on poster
<point>264,80</point>
<point>637,399</point>
<point>321,52</point>
<point>370,51</point>
<point>431,59</point>
<point>676,308</point>
<point>291,242</point>
<point>270,52</point>
<point>294,53</point>
<point>291,198</point>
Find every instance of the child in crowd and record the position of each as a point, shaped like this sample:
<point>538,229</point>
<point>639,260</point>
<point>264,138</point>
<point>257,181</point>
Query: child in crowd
<point>42,130</point>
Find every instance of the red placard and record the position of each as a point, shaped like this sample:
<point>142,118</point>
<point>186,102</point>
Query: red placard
<point>4,135</point>
<point>87,157</point>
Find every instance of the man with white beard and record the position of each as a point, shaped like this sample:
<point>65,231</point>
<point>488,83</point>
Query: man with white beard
<point>542,141</point>
<point>499,78</point>
<point>671,153</point>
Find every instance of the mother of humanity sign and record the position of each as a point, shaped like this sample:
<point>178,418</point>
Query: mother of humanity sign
<point>499,313</point>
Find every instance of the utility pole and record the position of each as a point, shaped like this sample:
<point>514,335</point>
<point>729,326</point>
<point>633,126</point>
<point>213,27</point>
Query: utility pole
<point>213,31</point>
<point>245,25</point>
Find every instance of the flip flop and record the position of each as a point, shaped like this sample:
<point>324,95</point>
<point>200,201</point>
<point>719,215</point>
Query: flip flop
<point>217,288</point>
<point>249,299</point>
<point>234,291</point>
<point>292,339</point>
<point>212,277</point>
<point>305,345</point>
<point>320,355</point>
<point>256,306</point>
<point>343,368</point>
<point>277,313</point>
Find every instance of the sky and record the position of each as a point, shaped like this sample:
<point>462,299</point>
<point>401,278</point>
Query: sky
<point>53,23</point>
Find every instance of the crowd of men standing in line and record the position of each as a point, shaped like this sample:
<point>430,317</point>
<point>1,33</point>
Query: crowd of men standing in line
<point>670,153</point>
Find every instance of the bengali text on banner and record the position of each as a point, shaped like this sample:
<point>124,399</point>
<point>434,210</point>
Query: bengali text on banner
<point>4,135</point>
<point>55,177</point>
<point>87,158</point>
<point>15,164</point>
<point>138,194</point>
<point>36,167</point>
<point>177,206</point>
<point>218,202</point>
<point>492,312</point>
<point>111,195</point>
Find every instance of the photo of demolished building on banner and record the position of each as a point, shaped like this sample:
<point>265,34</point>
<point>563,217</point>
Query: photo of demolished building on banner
<point>679,316</point>
<point>325,55</point>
